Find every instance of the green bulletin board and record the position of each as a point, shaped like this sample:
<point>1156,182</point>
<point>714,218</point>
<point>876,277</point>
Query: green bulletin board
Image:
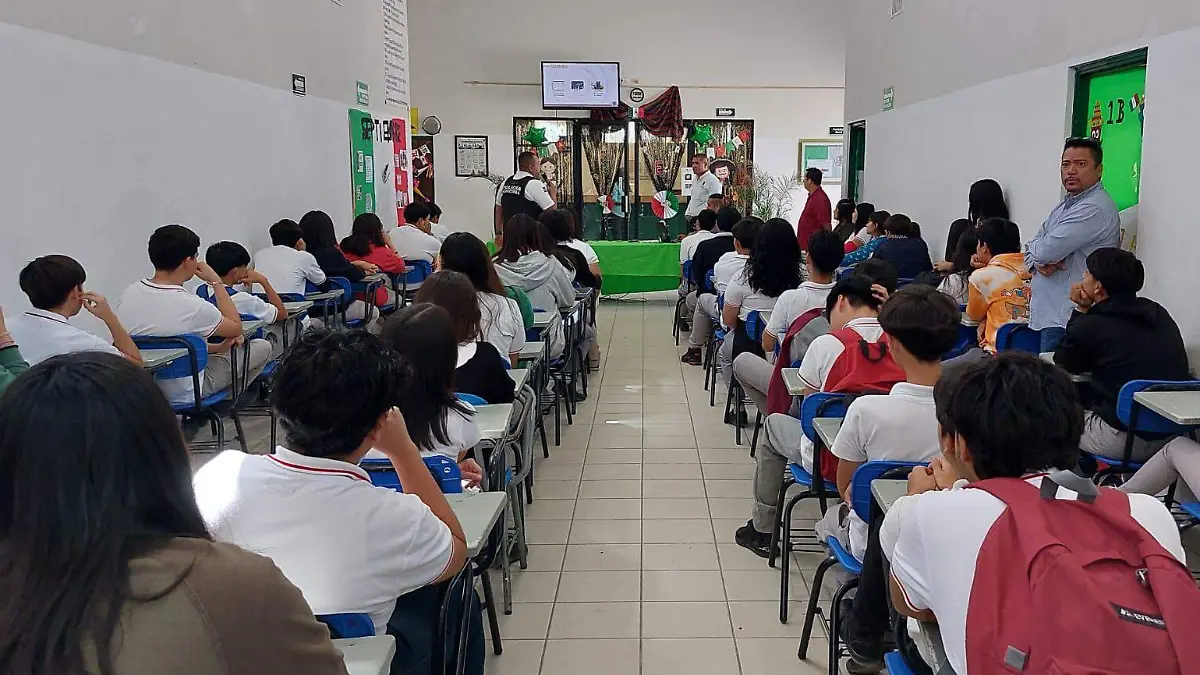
<point>362,161</point>
<point>1115,115</point>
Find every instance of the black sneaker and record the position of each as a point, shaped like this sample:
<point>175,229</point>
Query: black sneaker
<point>866,655</point>
<point>692,357</point>
<point>742,419</point>
<point>749,538</point>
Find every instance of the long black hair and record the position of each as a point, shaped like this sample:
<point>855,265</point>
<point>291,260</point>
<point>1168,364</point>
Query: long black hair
<point>317,227</point>
<point>986,200</point>
<point>774,265</point>
<point>453,292</point>
<point>521,236</point>
<point>366,232</point>
<point>964,250</point>
<point>93,473</point>
<point>423,335</point>
<point>862,213</point>
<point>464,252</point>
<point>843,212</point>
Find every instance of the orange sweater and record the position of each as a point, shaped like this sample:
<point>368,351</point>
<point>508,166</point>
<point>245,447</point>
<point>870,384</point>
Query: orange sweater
<point>999,294</point>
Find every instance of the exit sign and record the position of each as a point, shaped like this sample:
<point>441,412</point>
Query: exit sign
<point>726,112</point>
<point>889,98</point>
<point>837,131</point>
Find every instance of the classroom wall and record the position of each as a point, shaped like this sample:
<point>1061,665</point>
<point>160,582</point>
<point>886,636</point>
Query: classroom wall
<point>978,117</point>
<point>781,64</point>
<point>118,116</point>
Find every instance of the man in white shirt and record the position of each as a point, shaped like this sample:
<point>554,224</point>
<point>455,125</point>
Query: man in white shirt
<point>523,193</point>
<point>752,371</point>
<point>705,185</point>
<point>231,260</point>
<point>851,304</point>
<point>54,285</point>
<point>1013,416</point>
<point>413,240</point>
<point>161,307</point>
<point>728,266</point>
<point>435,222</point>
<point>350,547</point>
<point>704,225</point>
<point>286,263</point>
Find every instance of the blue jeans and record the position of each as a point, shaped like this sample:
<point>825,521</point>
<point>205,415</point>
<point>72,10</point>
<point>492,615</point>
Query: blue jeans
<point>1051,336</point>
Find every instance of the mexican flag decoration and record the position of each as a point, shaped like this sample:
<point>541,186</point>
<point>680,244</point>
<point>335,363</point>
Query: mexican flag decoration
<point>606,201</point>
<point>665,204</point>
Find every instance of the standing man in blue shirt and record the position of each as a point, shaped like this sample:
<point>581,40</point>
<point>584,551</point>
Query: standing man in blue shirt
<point>1084,221</point>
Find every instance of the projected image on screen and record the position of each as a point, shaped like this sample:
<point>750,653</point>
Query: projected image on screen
<point>580,85</point>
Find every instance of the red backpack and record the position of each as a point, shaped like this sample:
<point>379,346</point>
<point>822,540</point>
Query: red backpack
<point>1077,587</point>
<point>863,368</point>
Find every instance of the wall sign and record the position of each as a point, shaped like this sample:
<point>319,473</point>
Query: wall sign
<point>364,98</point>
<point>889,98</point>
<point>395,53</point>
<point>362,161</point>
<point>471,156</point>
<point>837,131</point>
<point>726,112</point>
<point>298,85</point>
<point>637,94</point>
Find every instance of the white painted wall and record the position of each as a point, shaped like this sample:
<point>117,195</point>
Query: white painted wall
<point>779,62</point>
<point>1004,116</point>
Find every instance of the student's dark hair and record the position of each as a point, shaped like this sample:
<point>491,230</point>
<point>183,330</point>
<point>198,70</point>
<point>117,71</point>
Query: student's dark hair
<point>560,224</point>
<point>864,211</point>
<point>915,230</point>
<point>727,217</point>
<point>957,228</point>
<point>698,155</point>
<point>879,217</point>
<point>365,233</point>
<point>118,486</point>
<point>1016,413</point>
<point>706,220</point>
<point>416,211</point>
<point>843,212</point>
<point>825,251</point>
<point>224,256</point>
<point>526,158</point>
<point>1088,143</point>
<point>717,196</point>
<point>1119,272</point>
<point>774,265</point>
<point>898,225</point>
<point>922,319</point>
<point>170,245</point>
<point>521,236</point>
<point>999,235</point>
<point>551,249</point>
<point>964,251</point>
<point>986,200</point>
<point>879,272</point>
<point>454,292</point>
<point>422,336</point>
<point>331,389</point>
<point>464,252</point>
<point>746,231</point>
<point>856,288</point>
<point>286,233</point>
<point>317,227</point>
<point>48,280</point>
<point>814,174</point>
<point>435,211</point>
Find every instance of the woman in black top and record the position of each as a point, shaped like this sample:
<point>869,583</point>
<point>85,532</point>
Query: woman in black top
<point>843,217</point>
<point>480,369</point>
<point>321,241</point>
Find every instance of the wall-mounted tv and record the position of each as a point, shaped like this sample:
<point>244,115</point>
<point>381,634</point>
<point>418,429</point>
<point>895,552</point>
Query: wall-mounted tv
<point>578,85</point>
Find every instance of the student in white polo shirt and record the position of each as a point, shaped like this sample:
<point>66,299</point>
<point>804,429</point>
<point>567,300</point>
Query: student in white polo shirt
<point>350,547</point>
<point>287,264</point>
<point>54,285</point>
<point>231,260</point>
<point>1013,416</point>
<point>413,240</point>
<point>161,307</point>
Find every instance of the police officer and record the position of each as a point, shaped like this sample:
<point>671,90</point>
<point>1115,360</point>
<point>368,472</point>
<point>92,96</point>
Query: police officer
<point>524,192</point>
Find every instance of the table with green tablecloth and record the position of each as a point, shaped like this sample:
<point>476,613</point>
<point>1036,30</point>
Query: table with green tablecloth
<point>638,266</point>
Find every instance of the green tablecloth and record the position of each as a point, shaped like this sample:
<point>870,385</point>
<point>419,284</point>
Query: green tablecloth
<point>638,266</point>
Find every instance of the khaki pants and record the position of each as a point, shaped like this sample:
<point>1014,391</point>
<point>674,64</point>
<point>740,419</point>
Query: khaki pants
<point>1101,439</point>
<point>702,318</point>
<point>781,445</point>
<point>754,374</point>
<point>219,374</point>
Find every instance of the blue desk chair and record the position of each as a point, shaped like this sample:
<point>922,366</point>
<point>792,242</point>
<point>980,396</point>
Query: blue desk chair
<point>408,283</point>
<point>1139,419</point>
<point>968,337</point>
<point>1018,337</point>
<point>685,275</point>
<point>470,398</point>
<point>819,404</point>
<point>710,353</point>
<point>445,471</point>
<point>202,407</point>
<point>709,285</point>
<point>902,282</point>
<point>863,503</point>
<point>736,399</point>
<point>348,625</point>
<point>895,664</point>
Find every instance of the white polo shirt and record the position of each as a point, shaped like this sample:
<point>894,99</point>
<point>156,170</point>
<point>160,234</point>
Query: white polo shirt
<point>159,310</point>
<point>729,265</point>
<point>413,244</point>
<point>500,323</point>
<point>439,231</point>
<point>42,334</point>
<point>687,247</point>
<point>794,302</point>
<point>347,545</point>
<point>249,304</point>
<point>933,542</point>
<point>589,253</point>
<point>702,188</point>
<point>900,426</point>
<point>287,269</point>
<point>739,293</point>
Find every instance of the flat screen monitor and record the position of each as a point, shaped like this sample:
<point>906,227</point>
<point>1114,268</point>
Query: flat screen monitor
<point>580,85</point>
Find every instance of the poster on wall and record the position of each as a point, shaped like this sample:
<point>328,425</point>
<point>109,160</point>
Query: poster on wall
<point>362,161</point>
<point>401,167</point>
<point>1116,116</point>
<point>826,155</point>
<point>395,53</point>
<point>470,156</point>
<point>422,169</point>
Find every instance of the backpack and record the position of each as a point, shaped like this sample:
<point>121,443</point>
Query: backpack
<point>1077,587</point>
<point>863,368</point>
<point>800,333</point>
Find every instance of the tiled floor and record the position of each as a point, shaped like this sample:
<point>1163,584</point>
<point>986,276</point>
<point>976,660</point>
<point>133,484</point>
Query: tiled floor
<point>633,568</point>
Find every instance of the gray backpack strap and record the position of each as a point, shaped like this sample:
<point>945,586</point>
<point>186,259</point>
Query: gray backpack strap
<point>1088,492</point>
